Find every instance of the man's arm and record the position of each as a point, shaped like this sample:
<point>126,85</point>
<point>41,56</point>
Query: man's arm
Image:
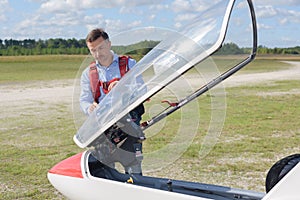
<point>86,97</point>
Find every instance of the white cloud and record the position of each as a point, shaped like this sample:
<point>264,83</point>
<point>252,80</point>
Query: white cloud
<point>56,18</point>
<point>59,19</point>
<point>181,5</point>
<point>111,26</point>
<point>159,7</point>
<point>289,16</point>
<point>266,11</point>
<point>74,18</point>
<point>134,3</point>
<point>152,17</point>
<point>61,6</point>
<point>76,9</point>
<point>4,6</point>
<point>277,2</point>
<point>42,25</point>
<point>185,17</point>
<point>117,26</point>
<point>55,6</point>
<point>135,24</point>
<point>130,10</point>
<point>192,5</point>
<point>263,26</point>
<point>281,15</point>
<point>94,21</point>
<point>62,19</point>
<point>283,21</point>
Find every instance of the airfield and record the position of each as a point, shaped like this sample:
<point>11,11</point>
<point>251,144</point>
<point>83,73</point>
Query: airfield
<point>37,128</point>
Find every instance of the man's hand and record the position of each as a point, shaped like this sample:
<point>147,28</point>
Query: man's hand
<point>111,85</point>
<point>92,107</point>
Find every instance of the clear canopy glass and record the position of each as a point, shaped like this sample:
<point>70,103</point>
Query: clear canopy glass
<point>165,63</point>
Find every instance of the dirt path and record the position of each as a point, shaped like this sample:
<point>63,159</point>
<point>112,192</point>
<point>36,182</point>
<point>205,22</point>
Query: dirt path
<point>293,73</point>
<point>62,91</point>
<point>53,91</point>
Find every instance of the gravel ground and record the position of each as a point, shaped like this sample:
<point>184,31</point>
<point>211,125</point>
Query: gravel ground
<point>293,73</point>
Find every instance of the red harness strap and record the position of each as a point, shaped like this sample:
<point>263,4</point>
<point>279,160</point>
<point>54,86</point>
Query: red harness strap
<point>96,83</point>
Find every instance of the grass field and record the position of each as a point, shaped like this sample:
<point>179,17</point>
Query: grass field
<point>261,126</point>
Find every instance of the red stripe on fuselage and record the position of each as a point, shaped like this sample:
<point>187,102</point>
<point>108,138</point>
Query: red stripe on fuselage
<point>69,167</point>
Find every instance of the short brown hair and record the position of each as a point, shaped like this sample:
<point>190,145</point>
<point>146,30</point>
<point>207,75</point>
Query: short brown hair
<point>95,34</point>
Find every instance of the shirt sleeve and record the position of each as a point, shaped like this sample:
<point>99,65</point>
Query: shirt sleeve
<point>131,63</point>
<point>86,96</point>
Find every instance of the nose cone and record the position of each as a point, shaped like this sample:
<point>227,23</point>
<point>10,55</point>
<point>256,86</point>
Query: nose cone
<point>69,167</point>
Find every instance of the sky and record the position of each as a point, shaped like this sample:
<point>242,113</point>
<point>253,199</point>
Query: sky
<point>278,20</point>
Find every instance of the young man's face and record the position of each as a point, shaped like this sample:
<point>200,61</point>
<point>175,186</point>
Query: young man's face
<point>100,49</point>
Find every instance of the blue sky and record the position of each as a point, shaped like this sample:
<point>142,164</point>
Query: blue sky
<point>278,20</point>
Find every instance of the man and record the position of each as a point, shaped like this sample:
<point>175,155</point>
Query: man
<point>108,71</point>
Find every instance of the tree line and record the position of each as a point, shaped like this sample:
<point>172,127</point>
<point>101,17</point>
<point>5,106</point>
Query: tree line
<point>232,48</point>
<point>64,46</point>
<point>42,47</point>
<point>11,47</point>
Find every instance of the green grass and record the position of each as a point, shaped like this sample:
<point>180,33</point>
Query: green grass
<point>261,127</point>
<point>30,68</point>
<point>221,64</point>
<point>261,65</point>
<point>258,131</point>
<point>31,144</point>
